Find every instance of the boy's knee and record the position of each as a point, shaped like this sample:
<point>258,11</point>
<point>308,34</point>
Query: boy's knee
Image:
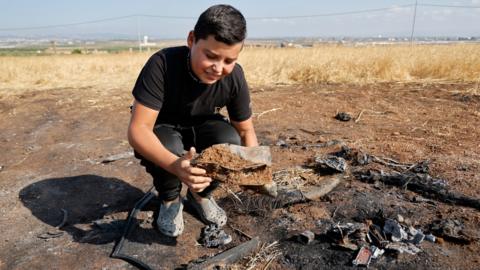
<point>231,137</point>
<point>170,139</point>
<point>225,133</point>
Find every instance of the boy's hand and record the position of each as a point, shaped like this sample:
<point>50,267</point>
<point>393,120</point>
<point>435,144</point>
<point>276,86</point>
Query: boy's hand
<point>193,177</point>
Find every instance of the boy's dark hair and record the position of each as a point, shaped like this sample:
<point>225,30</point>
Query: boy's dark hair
<point>224,22</point>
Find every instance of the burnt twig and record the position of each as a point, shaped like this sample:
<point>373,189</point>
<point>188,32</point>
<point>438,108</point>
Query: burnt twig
<point>116,157</point>
<point>423,184</point>
<point>239,231</point>
<point>228,257</point>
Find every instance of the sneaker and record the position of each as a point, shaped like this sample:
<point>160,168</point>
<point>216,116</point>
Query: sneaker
<point>208,210</point>
<point>170,219</point>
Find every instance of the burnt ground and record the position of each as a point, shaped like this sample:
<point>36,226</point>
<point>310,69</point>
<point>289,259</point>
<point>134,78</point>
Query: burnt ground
<point>53,142</point>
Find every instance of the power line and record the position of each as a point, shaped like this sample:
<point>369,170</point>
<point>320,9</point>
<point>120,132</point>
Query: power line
<point>332,14</point>
<point>94,21</point>
<point>248,18</point>
<point>449,6</point>
<point>168,17</point>
<point>184,17</point>
<point>67,24</point>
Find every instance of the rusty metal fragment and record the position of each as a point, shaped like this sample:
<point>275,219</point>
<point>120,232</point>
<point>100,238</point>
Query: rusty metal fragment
<point>238,165</point>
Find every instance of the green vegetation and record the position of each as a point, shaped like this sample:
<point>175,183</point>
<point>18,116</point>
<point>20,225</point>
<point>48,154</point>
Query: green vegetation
<point>22,51</point>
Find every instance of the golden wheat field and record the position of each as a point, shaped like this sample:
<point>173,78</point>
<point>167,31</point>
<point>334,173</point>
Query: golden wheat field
<point>409,108</point>
<point>263,66</point>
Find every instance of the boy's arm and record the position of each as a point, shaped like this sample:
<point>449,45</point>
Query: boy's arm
<point>145,142</point>
<point>246,131</point>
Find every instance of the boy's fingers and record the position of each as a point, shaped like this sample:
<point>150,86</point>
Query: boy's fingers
<point>199,179</point>
<point>197,171</point>
<point>191,153</point>
<point>198,187</point>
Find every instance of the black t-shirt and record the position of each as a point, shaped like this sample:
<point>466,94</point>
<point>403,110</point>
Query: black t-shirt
<point>167,84</point>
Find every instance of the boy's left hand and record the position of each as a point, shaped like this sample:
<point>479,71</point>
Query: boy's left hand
<point>192,176</point>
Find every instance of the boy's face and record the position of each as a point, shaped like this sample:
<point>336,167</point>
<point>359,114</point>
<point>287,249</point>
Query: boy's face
<point>210,59</point>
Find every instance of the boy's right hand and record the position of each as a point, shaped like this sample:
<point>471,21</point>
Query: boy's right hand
<point>193,177</point>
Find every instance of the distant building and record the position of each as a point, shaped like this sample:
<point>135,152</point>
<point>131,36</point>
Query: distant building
<point>147,44</point>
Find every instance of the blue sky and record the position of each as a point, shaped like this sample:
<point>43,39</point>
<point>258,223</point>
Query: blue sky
<point>431,20</point>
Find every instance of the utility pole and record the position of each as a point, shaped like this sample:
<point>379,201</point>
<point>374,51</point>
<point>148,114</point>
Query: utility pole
<point>54,46</point>
<point>138,34</point>
<point>413,22</point>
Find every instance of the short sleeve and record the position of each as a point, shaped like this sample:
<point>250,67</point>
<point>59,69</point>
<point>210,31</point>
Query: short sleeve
<point>239,108</point>
<point>149,88</point>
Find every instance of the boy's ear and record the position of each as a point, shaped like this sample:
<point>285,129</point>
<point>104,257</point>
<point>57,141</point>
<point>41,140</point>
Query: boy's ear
<point>190,39</point>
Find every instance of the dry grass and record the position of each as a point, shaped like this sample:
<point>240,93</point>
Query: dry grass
<point>263,67</point>
<point>76,71</point>
<point>338,64</point>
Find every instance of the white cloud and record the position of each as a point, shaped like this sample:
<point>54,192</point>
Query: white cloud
<point>270,20</point>
<point>279,21</point>
<point>401,10</point>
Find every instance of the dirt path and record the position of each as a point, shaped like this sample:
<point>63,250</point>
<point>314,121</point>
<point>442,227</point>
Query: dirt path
<point>52,143</point>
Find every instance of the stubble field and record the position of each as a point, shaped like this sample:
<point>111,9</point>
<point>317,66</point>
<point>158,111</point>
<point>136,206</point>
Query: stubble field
<point>62,115</point>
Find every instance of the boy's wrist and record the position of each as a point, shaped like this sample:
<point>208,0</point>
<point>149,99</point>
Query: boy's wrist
<point>174,166</point>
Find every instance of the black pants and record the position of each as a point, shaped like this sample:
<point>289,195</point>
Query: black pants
<point>178,139</point>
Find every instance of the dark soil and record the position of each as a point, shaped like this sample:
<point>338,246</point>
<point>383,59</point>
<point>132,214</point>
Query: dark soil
<point>53,142</point>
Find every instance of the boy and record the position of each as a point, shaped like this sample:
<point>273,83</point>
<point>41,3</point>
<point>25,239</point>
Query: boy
<point>178,96</point>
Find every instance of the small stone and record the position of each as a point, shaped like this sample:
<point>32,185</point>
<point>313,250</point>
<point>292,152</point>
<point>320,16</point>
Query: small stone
<point>394,229</point>
<point>401,247</point>
<point>281,143</point>
<point>412,231</point>
<point>430,238</point>
<point>407,221</point>
<point>306,237</point>
<point>396,133</point>
<point>376,252</point>
<point>343,116</point>
<point>439,240</point>
<point>418,238</point>
<point>400,218</point>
